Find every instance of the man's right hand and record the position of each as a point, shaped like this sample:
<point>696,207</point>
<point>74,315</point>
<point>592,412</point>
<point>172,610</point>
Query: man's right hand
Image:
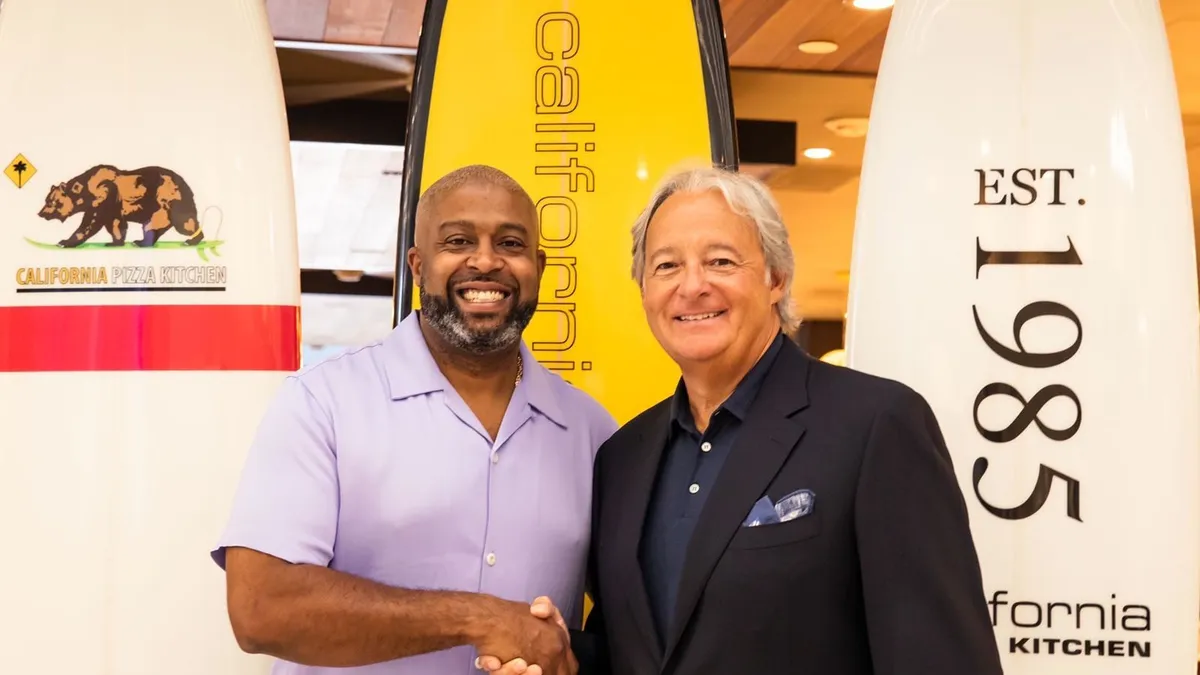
<point>515,634</point>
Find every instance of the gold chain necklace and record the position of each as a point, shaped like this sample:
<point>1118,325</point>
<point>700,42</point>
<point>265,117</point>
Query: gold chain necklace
<point>520,369</point>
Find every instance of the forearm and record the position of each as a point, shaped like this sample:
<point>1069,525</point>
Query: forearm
<point>320,617</point>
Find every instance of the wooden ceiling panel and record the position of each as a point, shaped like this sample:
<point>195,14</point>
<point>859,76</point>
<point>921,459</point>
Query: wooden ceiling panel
<point>298,19</point>
<point>743,18</point>
<point>778,34</point>
<point>392,23</point>
<point>768,34</point>
<point>866,58</point>
<point>759,33</point>
<point>404,26</point>
<point>859,36</point>
<point>357,21</point>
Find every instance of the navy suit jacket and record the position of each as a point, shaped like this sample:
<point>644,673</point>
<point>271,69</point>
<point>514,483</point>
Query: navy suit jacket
<point>881,576</point>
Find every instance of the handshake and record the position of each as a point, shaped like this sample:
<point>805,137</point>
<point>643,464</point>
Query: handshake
<point>517,640</point>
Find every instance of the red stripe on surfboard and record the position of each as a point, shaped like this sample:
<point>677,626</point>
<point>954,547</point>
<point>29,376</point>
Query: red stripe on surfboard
<point>149,337</point>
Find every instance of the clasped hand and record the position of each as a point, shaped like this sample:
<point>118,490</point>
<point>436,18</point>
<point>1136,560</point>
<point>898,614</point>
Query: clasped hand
<point>535,644</point>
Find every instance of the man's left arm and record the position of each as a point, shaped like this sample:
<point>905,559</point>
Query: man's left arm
<point>923,593</point>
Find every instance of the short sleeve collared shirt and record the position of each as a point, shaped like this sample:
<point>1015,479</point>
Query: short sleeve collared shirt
<point>371,463</point>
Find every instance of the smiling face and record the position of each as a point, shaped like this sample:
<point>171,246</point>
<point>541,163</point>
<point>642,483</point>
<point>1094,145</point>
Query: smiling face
<point>477,266</point>
<point>706,291</point>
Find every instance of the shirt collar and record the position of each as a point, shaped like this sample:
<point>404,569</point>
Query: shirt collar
<point>738,403</point>
<point>411,371</point>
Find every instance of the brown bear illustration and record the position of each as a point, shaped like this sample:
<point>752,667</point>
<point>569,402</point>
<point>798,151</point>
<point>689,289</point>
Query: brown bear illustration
<point>110,198</point>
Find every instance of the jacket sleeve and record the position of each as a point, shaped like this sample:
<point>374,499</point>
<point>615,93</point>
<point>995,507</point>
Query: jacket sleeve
<point>923,593</point>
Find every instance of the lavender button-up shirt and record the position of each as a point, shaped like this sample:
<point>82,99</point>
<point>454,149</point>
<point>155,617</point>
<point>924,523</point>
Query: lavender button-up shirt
<point>371,464</point>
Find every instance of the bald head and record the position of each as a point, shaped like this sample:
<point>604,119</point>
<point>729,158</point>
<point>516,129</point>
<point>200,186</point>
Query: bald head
<point>475,259</point>
<point>478,175</point>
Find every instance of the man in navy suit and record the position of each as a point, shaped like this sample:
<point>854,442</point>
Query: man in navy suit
<point>776,514</point>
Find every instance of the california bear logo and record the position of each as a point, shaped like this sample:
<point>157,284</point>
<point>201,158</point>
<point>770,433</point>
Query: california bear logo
<point>109,199</point>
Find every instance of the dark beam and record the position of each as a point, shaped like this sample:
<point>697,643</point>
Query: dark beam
<point>351,120</point>
<point>324,282</point>
<point>378,122</point>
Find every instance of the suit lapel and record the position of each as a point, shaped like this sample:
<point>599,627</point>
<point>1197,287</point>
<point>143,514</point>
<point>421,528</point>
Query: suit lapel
<point>642,473</point>
<point>767,438</point>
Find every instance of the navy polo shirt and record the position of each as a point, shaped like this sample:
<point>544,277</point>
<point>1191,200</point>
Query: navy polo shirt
<point>689,468</point>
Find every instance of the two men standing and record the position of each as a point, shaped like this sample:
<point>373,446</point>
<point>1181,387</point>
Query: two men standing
<point>776,514</point>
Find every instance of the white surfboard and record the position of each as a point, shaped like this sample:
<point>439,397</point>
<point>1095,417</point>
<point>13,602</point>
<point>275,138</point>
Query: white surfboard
<point>148,311</point>
<point>1024,258</point>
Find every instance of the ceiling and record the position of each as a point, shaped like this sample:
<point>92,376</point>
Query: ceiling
<point>766,34</point>
<point>758,33</point>
<point>772,79</point>
<point>364,22</point>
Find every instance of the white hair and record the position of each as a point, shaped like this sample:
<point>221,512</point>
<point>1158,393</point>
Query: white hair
<point>746,196</point>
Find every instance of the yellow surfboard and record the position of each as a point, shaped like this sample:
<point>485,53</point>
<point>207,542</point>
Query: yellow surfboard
<point>587,104</point>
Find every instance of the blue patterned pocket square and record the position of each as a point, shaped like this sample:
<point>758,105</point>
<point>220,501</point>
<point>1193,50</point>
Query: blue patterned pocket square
<point>762,513</point>
<point>797,504</point>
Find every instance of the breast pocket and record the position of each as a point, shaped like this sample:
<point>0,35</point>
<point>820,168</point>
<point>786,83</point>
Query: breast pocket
<point>778,534</point>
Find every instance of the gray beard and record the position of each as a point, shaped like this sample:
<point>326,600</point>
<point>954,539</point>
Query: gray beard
<point>442,314</point>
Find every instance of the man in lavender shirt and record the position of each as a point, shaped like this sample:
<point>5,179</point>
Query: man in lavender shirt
<point>404,504</point>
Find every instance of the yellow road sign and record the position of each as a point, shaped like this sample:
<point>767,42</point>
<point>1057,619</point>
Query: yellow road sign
<point>19,170</point>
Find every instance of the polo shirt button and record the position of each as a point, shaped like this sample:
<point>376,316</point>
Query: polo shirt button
<point>705,446</point>
<point>495,458</point>
<point>694,488</point>
<point>491,559</point>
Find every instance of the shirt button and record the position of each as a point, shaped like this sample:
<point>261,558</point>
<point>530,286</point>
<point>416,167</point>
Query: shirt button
<point>693,488</point>
<point>491,559</point>
<point>705,446</point>
<point>495,458</point>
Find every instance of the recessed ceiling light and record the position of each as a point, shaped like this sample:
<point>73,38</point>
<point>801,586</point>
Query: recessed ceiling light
<point>818,47</point>
<point>848,127</point>
<point>818,153</point>
<point>873,4</point>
